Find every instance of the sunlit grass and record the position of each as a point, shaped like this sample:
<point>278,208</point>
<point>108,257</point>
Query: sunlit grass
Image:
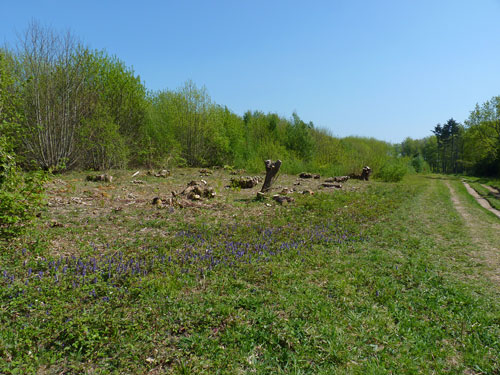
<point>369,280</point>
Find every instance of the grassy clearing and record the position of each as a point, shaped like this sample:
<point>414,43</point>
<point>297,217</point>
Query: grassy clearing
<point>373,279</point>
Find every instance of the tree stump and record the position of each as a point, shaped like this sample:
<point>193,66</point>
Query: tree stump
<point>272,170</point>
<point>365,174</point>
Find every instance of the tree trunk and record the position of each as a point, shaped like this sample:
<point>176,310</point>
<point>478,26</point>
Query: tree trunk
<point>271,173</point>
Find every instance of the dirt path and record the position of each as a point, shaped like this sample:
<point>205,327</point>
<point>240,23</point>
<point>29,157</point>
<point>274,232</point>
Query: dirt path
<point>482,201</point>
<point>483,234</point>
<point>492,190</point>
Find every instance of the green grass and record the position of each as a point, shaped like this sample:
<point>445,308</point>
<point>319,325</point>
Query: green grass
<point>376,279</point>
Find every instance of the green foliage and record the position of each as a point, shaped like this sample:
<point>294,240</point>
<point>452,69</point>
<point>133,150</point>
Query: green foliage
<point>10,104</point>
<point>120,109</point>
<point>359,152</point>
<point>86,109</point>
<point>455,148</point>
<point>483,136</point>
<point>102,144</point>
<point>184,125</point>
<point>393,170</point>
<point>21,196</point>
<point>419,164</point>
<point>298,138</point>
<point>65,89</point>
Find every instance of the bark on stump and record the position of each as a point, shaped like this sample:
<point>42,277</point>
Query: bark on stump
<point>365,174</point>
<point>272,170</point>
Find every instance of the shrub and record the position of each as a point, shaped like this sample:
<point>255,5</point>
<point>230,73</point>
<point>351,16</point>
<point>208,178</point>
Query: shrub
<point>392,171</point>
<point>420,165</point>
<point>21,196</point>
<point>104,146</point>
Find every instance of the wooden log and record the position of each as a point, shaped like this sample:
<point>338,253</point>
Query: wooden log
<point>244,182</point>
<point>337,179</point>
<point>309,175</point>
<point>332,185</point>
<point>282,199</point>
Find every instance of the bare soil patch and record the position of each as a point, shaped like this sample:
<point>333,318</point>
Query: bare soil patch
<point>82,213</point>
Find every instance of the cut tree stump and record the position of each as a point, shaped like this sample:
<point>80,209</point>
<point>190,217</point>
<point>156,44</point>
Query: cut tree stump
<point>364,176</point>
<point>272,170</point>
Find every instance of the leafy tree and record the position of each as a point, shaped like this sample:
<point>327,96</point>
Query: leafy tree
<point>84,108</point>
<point>449,141</point>
<point>121,96</point>
<point>430,152</point>
<point>20,196</point>
<point>66,88</point>
<point>450,133</point>
<point>56,97</point>
<point>101,143</point>
<point>359,152</point>
<point>158,145</point>
<point>299,138</point>
<point>327,152</point>
<point>483,125</point>
<point>10,103</point>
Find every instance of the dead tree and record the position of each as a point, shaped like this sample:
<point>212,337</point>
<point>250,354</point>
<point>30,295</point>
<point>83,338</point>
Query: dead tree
<point>272,170</point>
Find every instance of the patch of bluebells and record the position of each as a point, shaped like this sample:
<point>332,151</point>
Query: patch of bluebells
<point>196,252</point>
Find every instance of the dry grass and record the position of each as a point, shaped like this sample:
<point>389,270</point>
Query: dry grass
<point>81,213</point>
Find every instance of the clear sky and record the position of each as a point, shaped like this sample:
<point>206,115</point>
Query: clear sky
<point>383,69</point>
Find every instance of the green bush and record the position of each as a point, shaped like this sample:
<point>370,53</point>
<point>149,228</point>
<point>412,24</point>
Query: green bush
<point>420,165</point>
<point>392,171</point>
<point>21,196</point>
<point>104,146</point>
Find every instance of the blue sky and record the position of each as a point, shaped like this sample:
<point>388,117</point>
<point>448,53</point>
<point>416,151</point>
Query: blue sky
<point>383,69</point>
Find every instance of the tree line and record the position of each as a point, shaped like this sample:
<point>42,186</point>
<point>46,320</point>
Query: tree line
<point>472,147</point>
<point>66,106</point>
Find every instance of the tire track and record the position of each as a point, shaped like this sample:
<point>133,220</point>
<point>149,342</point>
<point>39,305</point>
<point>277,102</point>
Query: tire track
<point>483,235</point>
<point>482,201</point>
